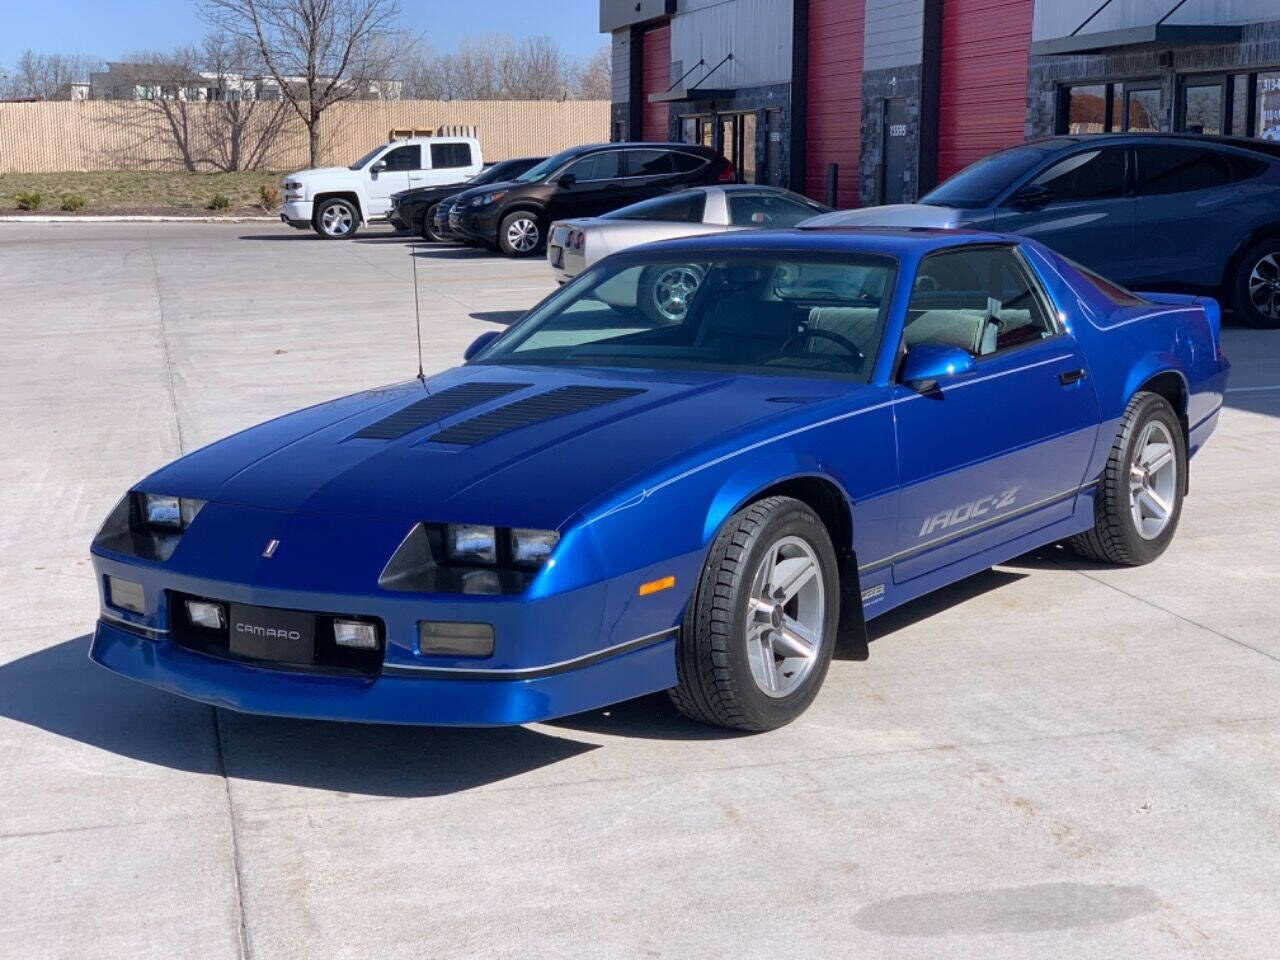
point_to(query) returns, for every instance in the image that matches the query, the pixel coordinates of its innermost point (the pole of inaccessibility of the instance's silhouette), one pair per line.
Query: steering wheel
(835, 338)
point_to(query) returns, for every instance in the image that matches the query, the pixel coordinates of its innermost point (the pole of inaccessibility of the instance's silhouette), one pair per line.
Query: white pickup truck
(337, 201)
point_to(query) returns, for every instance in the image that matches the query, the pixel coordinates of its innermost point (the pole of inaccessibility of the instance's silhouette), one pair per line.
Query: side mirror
(567, 179)
(378, 167)
(929, 362)
(479, 343)
(1032, 197)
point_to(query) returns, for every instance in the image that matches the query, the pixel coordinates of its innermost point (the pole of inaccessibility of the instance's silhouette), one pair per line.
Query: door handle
(1068, 377)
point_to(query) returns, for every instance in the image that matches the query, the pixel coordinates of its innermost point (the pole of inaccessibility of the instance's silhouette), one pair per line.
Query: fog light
(204, 614)
(455, 639)
(354, 633)
(126, 595)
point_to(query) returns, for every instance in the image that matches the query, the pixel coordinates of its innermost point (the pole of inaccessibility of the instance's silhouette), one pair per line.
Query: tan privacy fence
(52, 136)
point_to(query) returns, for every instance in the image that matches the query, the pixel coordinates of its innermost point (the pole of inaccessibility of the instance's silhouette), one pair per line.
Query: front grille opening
(326, 658)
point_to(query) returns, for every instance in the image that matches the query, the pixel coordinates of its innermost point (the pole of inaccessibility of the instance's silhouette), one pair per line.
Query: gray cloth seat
(968, 329)
(859, 325)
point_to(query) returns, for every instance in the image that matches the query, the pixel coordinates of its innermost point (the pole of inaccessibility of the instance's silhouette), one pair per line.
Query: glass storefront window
(1143, 107)
(1087, 109)
(1268, 110)
(1202, 107)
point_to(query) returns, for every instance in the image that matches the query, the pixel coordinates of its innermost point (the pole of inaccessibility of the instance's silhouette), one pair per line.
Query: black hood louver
(559, 402)
(437, 406)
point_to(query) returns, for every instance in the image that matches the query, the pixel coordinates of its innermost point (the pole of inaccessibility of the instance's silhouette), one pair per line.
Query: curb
(90, 218)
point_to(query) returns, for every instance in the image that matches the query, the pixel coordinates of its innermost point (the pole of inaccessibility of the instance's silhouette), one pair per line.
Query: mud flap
(851, 635)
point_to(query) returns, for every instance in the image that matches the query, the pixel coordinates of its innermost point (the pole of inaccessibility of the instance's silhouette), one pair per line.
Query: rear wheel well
(340, 195)
(1172, 387)
(826, 500)
(1270, 231)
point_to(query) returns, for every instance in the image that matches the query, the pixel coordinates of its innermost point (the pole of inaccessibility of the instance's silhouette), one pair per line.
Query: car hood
(540, 474)
(896, 215)
(320, 172)
(470, 192)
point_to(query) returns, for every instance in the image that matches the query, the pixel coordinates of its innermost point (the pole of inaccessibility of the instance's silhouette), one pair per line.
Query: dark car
(416, 209)
(580, 182)
(1150, 211)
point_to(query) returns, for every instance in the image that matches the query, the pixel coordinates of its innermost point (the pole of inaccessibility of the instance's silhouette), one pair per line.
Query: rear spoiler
(1212, 310)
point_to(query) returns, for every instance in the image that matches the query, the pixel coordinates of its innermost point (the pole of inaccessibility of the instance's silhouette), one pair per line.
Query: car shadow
(432, 252)
(503, 317)
(60, 690)
(292, 235)
(930, 604)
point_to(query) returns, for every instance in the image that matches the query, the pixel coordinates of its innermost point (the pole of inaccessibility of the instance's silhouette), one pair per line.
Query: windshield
(540, 170)
(978, 184)
(501, 170)
(363, 161)
(739, 311)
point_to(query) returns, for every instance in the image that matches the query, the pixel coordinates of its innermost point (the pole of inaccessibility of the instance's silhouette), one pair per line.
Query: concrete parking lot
(1051, 759)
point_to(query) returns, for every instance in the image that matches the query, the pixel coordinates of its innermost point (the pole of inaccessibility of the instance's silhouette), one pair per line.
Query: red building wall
(834, 94)
(656, 78)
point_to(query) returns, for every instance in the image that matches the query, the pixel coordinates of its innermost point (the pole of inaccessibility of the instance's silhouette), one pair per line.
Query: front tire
(1257, 285)
(1139, 501)
(520, 234)
(760, 630)
(336, 219)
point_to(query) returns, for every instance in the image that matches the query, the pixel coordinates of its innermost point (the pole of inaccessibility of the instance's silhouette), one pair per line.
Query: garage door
(656, 64)
(834, 89)
(983, 101)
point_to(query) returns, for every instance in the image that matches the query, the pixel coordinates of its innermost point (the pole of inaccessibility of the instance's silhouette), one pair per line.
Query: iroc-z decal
(970, 511)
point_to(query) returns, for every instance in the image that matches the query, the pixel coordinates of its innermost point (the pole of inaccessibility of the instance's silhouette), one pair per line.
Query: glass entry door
(1203, 105)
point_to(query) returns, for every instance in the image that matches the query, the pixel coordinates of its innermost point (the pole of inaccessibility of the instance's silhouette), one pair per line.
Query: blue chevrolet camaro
(696, 467)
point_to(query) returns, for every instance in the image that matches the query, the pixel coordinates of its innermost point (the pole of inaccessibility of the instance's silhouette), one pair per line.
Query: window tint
(445, 155)
(768, 210)
(649, 163)
(687, 162)
(1112, 291)
(597, 166)
(404, 158)
(678, 208)
(980, 300)
(1179, 169)
(1091, 175)
(982, 181)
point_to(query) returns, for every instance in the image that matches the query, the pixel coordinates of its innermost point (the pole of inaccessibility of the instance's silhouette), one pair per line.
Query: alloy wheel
(337, 220)
(786, 612)
(674, 288)
(523, 234)
(1264, 286)
(1153, 480)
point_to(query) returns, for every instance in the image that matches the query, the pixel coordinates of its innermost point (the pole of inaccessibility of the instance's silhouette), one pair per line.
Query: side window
(1176, 169)
(684, 207)
(980, 299)
(598, 166)
(1091, 175)
(767, 210)
(649, 163)
(404, 158)
(450, 155)
(686, 162)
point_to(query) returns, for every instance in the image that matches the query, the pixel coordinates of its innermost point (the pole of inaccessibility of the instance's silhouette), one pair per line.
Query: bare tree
(534, 69)
(319, 52)
(593, 78)
(239, 128)
(43, 75)
(161, 121)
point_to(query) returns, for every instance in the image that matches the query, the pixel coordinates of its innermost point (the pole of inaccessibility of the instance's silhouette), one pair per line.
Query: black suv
(580, 182)
(416, 209)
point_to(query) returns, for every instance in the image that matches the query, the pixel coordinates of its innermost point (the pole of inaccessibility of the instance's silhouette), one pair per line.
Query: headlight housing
(487, 198)
(164, 512)
(471, 543)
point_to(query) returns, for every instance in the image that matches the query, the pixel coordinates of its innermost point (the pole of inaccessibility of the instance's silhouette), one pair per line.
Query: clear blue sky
(108, 28)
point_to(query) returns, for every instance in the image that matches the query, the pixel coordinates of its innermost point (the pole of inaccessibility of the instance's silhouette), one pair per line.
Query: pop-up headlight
(471, 543)
(166, 512)
(532, 547)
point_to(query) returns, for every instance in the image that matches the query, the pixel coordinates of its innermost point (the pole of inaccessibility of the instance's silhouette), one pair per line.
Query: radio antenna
(417, 310)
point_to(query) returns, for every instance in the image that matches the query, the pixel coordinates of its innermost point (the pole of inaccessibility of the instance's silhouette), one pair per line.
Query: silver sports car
(573, 245)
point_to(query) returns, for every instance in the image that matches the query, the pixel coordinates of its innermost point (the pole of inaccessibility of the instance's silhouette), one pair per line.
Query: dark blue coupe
(696, 467)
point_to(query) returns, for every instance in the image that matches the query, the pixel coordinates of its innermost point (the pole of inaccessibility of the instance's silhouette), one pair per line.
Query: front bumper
(390, 697)
(475, 226)
(297, 213)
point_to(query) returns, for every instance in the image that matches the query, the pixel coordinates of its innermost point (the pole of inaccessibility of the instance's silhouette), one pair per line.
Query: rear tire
(752, 652)
(1139, 501)
(428, 231)
(521, 234)
(1257, 285)
(336, 219)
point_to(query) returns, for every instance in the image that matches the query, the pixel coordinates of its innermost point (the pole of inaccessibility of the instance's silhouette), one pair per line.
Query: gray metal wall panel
(894, 34)
(1058, 18)
(624, 13)
(756, 32)
(621, 66)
